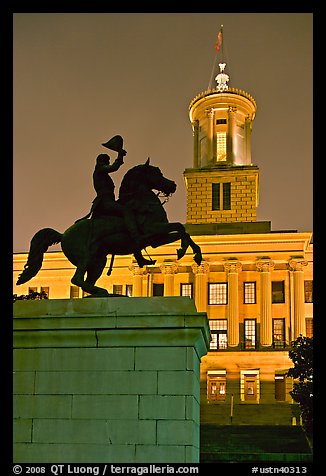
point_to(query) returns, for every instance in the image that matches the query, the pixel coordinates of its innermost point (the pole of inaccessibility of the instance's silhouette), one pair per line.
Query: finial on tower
(222, 78)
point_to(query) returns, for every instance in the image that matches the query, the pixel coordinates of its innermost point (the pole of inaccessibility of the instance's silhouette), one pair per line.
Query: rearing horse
(87, 243)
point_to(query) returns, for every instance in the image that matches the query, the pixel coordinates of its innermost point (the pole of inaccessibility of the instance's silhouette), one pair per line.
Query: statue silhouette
(87, 242)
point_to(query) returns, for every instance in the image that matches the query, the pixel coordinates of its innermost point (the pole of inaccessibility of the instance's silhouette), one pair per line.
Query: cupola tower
(222, 185)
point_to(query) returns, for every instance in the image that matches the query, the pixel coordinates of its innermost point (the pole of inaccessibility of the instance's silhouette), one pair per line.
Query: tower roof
(211, 93)
(226, 96)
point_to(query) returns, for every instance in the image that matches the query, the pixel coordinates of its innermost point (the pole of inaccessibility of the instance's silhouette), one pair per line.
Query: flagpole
(213, 69)
(218, 43)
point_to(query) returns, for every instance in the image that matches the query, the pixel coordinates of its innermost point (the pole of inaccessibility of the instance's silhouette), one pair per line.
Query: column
(210, 135)
(247, 141)
(296, 265)
(232, 268)
(169, 270)
(230, 136)
(137, 279)
(201, 280)
(195, 128)
(265, 266)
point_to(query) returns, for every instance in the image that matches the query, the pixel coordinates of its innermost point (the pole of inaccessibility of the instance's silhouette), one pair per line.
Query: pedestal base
(108, 380)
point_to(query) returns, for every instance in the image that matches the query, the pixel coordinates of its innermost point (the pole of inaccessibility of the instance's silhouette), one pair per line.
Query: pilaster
(201, 280)
(137, 279)
(169, 269)
(265, 266)
(296, 265)
(232, 268)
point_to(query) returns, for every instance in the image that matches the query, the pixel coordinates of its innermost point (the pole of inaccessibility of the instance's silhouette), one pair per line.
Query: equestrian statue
(114, 227)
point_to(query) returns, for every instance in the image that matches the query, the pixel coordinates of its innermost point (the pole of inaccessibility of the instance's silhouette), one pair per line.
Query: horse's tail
(39, 245)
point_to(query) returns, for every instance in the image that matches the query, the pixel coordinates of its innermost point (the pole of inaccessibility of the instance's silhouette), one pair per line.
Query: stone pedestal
(108, 380)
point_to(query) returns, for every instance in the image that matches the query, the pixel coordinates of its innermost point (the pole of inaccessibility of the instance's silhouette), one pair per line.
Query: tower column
(248, 140)
(265, 266)
(296, 265)
(195, 128)
(137, 279)
(201, 280)
(210, 135)
(231, 133)
(232, 267)
(169, 270)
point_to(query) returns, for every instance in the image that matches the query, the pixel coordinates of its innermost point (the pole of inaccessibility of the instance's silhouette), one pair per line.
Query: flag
(218, 41)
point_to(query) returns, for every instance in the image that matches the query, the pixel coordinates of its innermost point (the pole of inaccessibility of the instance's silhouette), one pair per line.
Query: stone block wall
(108, 380)
(244, 194)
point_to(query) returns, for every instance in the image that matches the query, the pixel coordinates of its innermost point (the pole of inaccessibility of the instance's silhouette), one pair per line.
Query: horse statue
(87, 242)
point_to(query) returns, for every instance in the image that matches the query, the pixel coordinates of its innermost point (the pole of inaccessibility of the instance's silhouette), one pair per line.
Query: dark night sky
(80, 78)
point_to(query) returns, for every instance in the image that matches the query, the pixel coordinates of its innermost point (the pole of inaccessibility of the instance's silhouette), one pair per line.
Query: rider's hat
(116, 143)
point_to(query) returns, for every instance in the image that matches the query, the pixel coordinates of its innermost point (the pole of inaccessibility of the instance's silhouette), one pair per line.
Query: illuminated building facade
(255, 284)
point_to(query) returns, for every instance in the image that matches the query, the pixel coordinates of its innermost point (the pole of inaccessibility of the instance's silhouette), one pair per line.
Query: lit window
(219, 338)
(129, 290)
(278, 333)
(216, 385)
(74, 292)
(221, 146)
(117, 289)
(279, 386)
(45, 290)
(249, 293)
(250, 333)
(217, 293)
(186, 289)
(309, 327)
(308, 289)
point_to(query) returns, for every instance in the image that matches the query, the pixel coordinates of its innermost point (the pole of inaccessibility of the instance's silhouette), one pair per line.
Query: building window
(217, 293)
(280, 387)
(218, 329)
(221, 196)
(278, 333)
(221, 145)
(249, 293)
(227, 196)
(216, 196)
(221, 121)
(158, 289)
(44, 291)
(216, 385)
(117, 289)
(250, 333)
(129, 290)
(278, 292)
(308, 288)
(309, 327)
(249, 385)
(186, 289)
(74, 292)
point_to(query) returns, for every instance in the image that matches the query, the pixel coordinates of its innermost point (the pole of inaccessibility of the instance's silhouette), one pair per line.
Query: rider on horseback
(105, 204)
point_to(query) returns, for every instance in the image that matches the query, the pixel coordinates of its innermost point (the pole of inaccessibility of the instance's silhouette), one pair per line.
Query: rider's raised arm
(116, 164)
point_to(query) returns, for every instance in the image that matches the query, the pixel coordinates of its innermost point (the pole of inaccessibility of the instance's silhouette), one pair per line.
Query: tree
(301, 355)
(31, 295)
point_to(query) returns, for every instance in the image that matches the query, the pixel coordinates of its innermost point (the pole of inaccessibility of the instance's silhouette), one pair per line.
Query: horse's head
(156, 180)
(145, 177)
